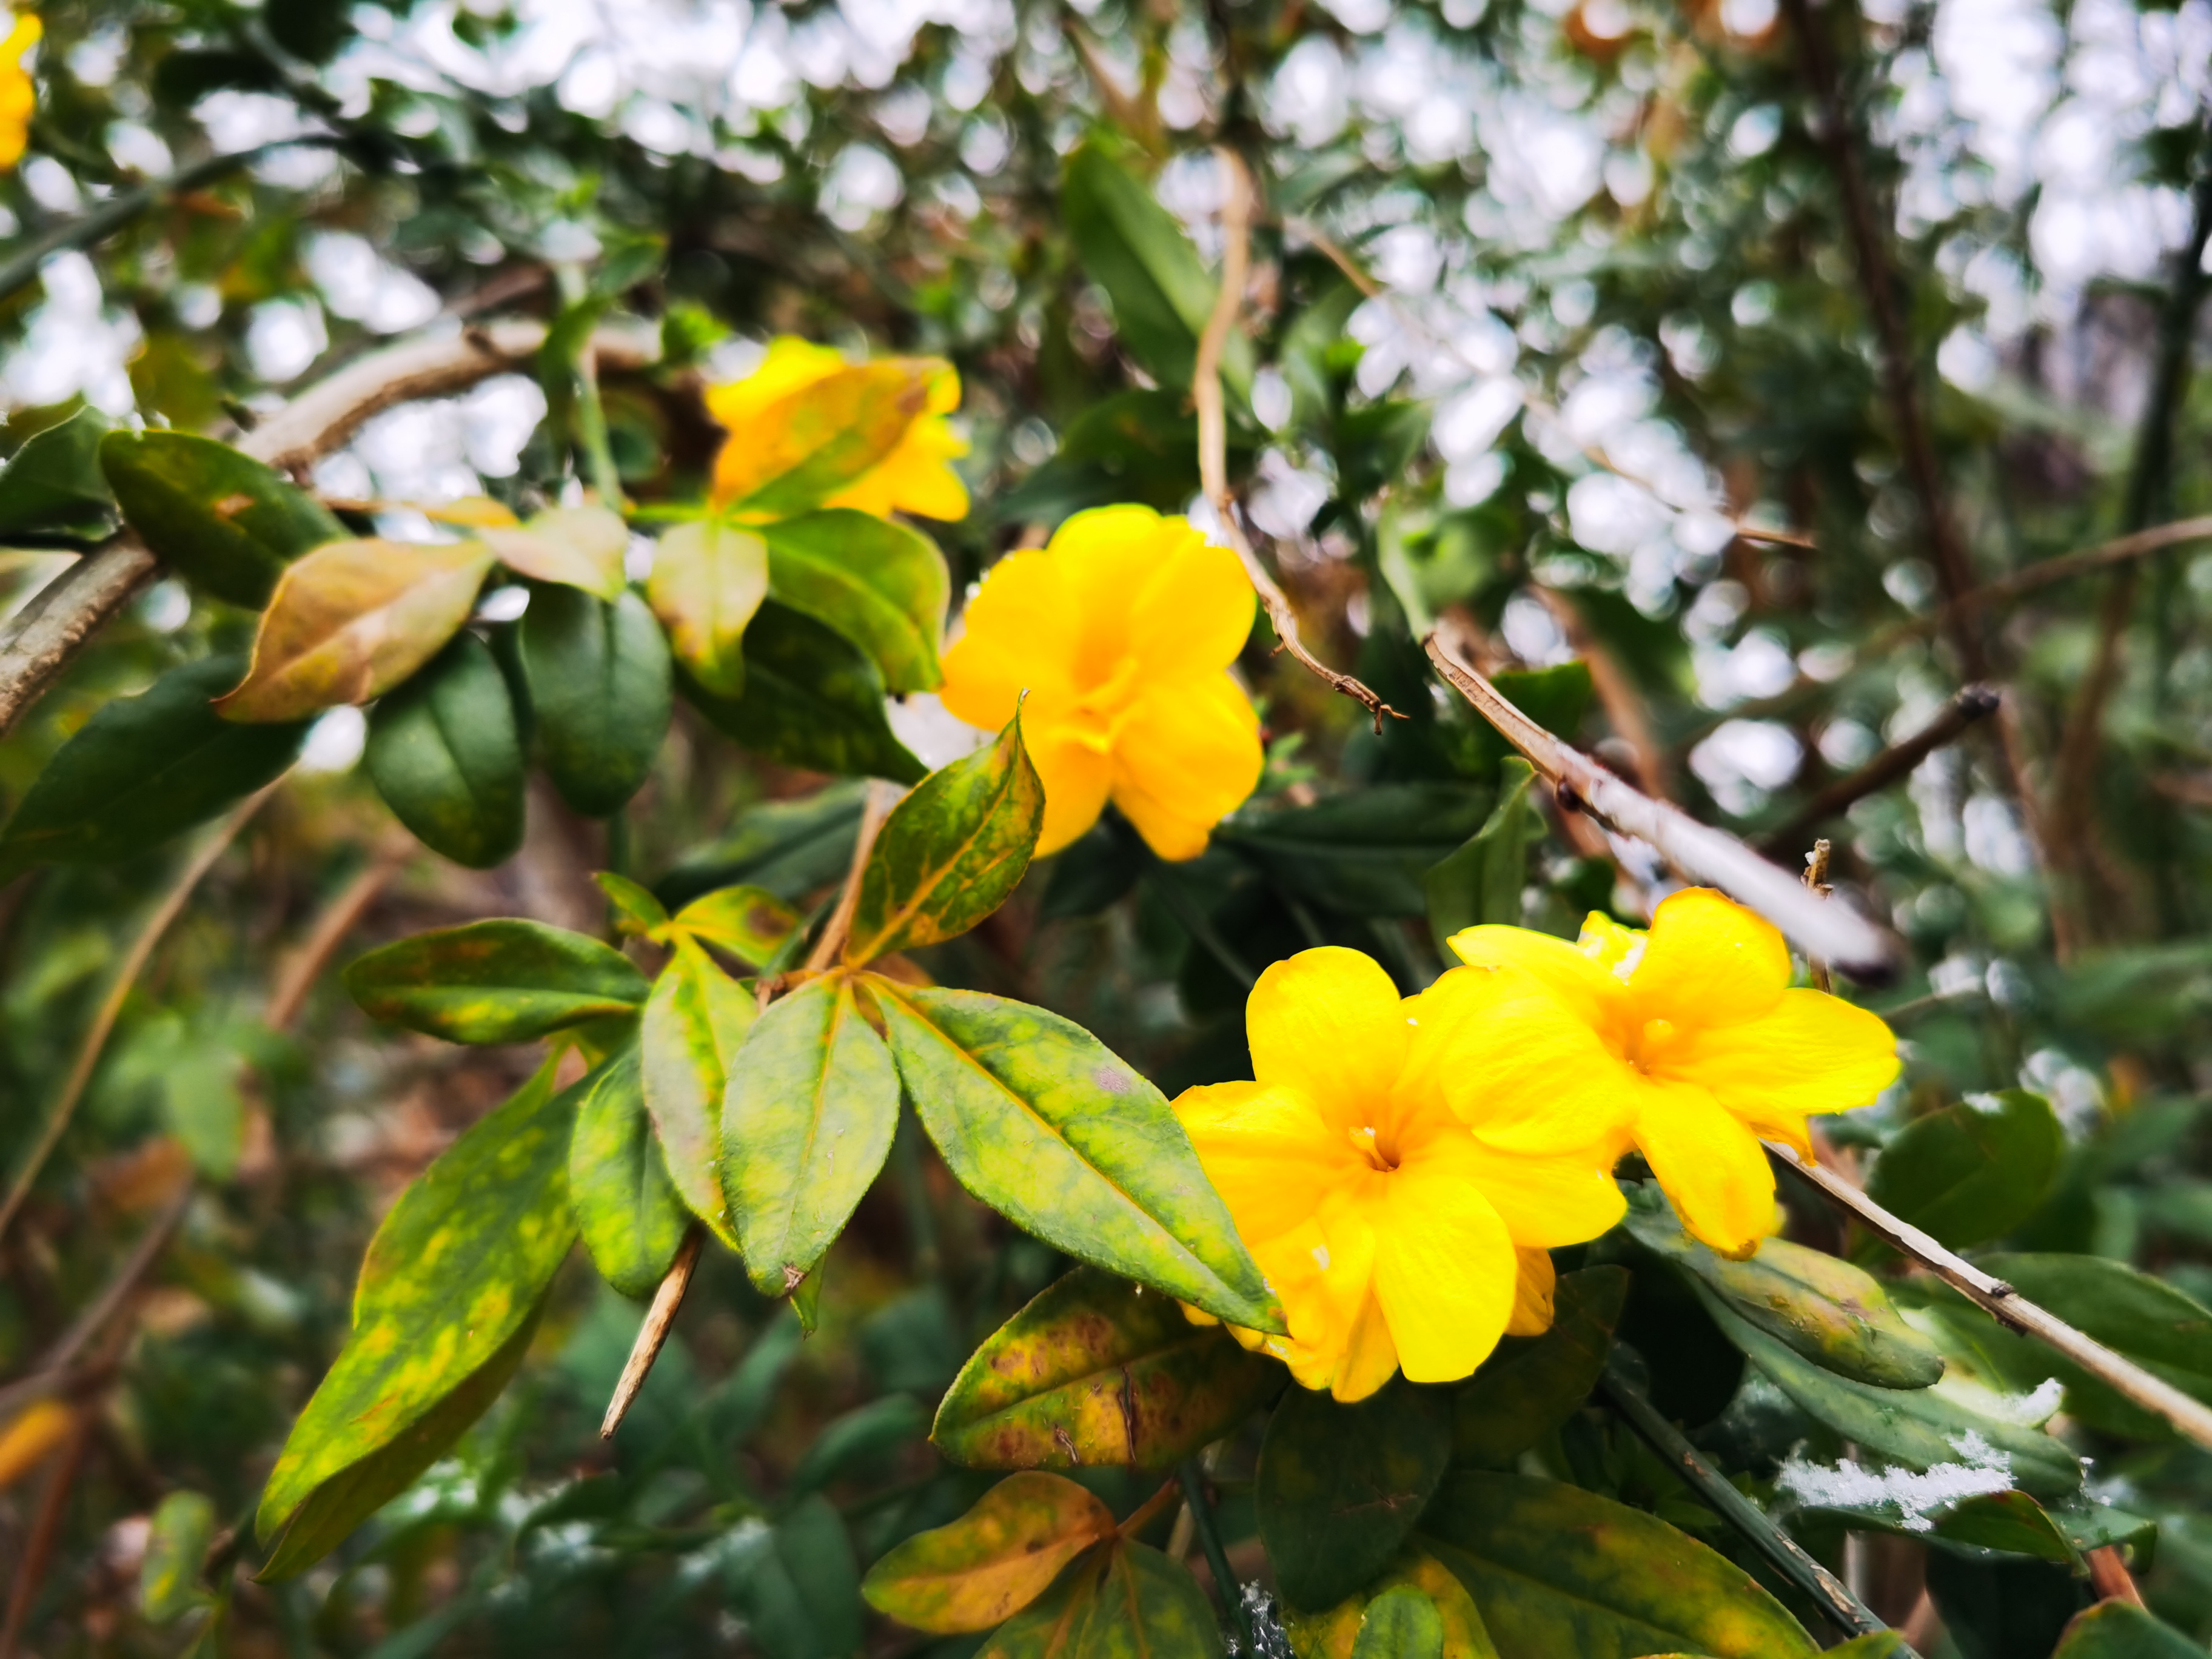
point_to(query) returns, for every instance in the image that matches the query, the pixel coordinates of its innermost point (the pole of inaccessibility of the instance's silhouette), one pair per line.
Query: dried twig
(1974, 703)
(1213, 430)
(2008, 1306)
(126, 976)
(1819, 927)
(37, 645)
(666, 1300)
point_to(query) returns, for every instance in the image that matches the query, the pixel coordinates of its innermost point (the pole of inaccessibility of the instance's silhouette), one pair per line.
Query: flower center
(1648, 1046)
(1369, 1146)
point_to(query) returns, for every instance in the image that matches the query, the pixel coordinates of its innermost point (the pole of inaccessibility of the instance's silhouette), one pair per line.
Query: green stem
(1209, 1540)
(1828, 1593)
(591, 414)
(1195, 922)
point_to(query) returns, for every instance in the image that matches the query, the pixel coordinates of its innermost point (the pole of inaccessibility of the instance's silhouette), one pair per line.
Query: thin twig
(2008, 1306)
(41, 639)
(1225, 1587)
(658, 1318)
(111, 1008)
(1825, 1591)
(1213, 434)
(2109, 1575)
(1821, 927)
(45, 1531)
(1616, 694)
(1974, 703)
(1816, 881)
(654, 1332)
(300, 969)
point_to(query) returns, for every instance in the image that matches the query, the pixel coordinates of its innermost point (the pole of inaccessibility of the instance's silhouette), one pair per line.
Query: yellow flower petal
(1370, 1356)
(1108, 554)
(1813, 1053)
(1532, 1294)
(1021, 629)
(915, 478)
(1076, 774)
(1709, 961)
(1591, 992)
(1712, 1166)
(1514, 1063)
(792, 364)
(1329, 1023)
(1194, 613)
(1548, 1202)
(1186, 754)
(1268, 1151)
(1444, 1266)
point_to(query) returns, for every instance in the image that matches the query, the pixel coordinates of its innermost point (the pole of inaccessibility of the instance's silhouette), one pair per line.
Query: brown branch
(46, 1533)
(2109, 1575)
(1616, 694)
(297, 975)
(111, 1008)
(669, 1297)
(1975, 702)
(1821, 927)
(2008, 1306)
(36, 645)
(1213, 439)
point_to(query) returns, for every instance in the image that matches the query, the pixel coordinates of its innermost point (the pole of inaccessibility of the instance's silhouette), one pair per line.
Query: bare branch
(1821, 927)
(42, 640)
(2007, 1305)
(651, 1335)
(1974, 703)
(1213, 435)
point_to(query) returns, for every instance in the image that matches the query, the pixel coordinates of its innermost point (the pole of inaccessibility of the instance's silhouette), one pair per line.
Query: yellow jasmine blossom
(916, 476)
(1120, 630)
(1396, 1239)
(18, 96)
(1690, 1041)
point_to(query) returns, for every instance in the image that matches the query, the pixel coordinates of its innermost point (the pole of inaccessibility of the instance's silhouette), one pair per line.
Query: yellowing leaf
(1337, 1633)
(577, 546)
(747, 922)
(993, 1561)
(707, 581)
(34, 1432)
(797, 453)
(353, 619)
(474, 513)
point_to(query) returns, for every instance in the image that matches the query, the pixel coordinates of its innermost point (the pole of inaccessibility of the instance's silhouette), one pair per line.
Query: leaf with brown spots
(501, 981)
(993, 1561)
(1098, 1372)
(353, 619)
(453, 1279)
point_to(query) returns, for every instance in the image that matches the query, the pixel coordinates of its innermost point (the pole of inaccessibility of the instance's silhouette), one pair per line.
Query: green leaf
(1532, 1385)
(1095, 1372)
(696, 1021)
(748, 923)
(810, 443)
(799, 1586)
(1137, 446)
(1974, 1171)
(1367, 853)
(1342, 1631)
(707, 581)
(949, 853)
(501, 981)
(1557, 1571)
(599, 684)
(882, 585)
(1042, 1121)
(812, 699)
(444, 751)
(1556, 698)
(1125, 1601)
(1833, 1314)
(626, 1206)
(2120, 1630)
(786, 848)
(1483, 881)
(353, 619)
(169, 1579)
(1401, 1624)
(223, 521)
(144, 769)
(1340, 1486)
(448, 1296)
(993, 1561)
(2160, 1328)
(635, 911)
(2006, 1522)
(806, 1123)
(1919, 1428)
(53, 489)
(1882, 1645)
(1134, 249)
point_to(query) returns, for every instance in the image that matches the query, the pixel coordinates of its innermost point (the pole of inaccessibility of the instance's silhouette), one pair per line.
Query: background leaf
(582, 547)
(1335, 1634)
(1532, 1385)
(1095, 1372)
(949, 853)
(808, 445)
(707, 581)
(993, 1561)
(53, 489)
(504, 980)
(223, 521)
(600, 683)
(1482, 881)
(445, 751)
(881, 585)
(695, 1024)
(2149, 1321)
(626, 1206)
(748, 923)
(1974, 1171)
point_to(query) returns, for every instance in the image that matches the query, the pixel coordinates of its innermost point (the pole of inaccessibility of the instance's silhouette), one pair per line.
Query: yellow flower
(18, 96)
(1689, 1040)
(1395, 1238)
(916, 476)
(1121, 631)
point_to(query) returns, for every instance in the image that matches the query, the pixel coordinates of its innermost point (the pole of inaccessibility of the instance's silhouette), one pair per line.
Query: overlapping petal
(1546, 1202)
(1533, 1293)
(1021, 635)
(1195, 612)
(1268, 1151)
(1712, 1166)
(1444, 1267)
(1709, 961)
(1186, 754)
(1810, 1053)
(1514, 1063)
(1329, 1023)
(1583, 983)
(1077, 772)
